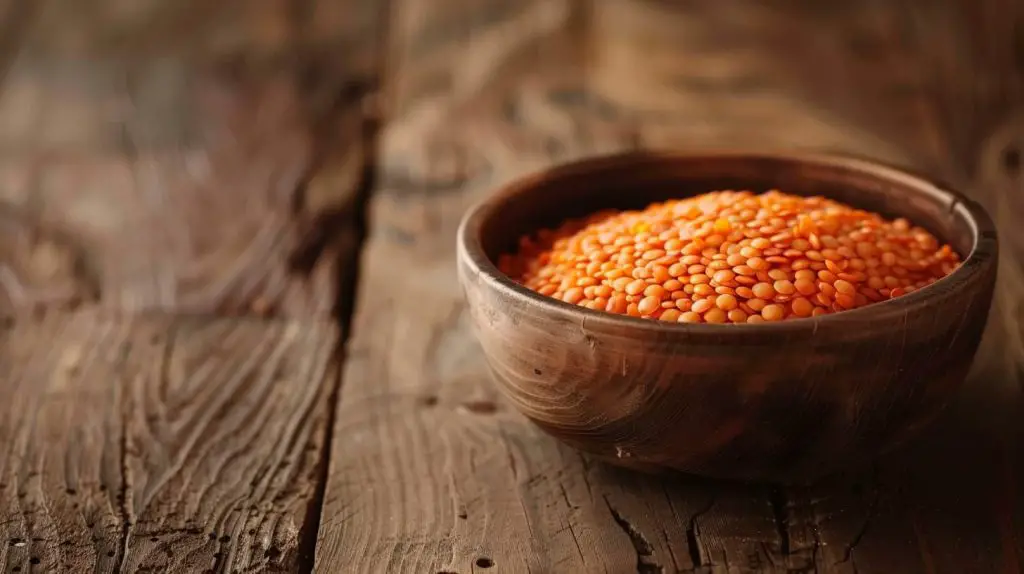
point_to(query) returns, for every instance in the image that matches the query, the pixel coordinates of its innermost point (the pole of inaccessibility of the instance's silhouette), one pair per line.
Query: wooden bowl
(781, 402)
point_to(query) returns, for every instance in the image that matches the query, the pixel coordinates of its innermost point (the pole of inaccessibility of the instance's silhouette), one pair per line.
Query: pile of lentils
(730, 257)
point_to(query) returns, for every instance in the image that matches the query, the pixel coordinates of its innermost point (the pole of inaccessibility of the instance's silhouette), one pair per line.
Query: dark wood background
(232, 338)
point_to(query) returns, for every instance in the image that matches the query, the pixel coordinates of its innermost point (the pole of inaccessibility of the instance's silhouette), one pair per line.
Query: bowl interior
(634, 181)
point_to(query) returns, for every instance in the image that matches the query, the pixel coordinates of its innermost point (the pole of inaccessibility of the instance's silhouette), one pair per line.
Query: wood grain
(225, 424)
(431, 471)
(193, 158)
(161, 444)
(180, 156)
(61, 470)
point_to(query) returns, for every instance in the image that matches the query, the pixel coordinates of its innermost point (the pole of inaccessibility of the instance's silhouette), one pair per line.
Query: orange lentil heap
(730, 257)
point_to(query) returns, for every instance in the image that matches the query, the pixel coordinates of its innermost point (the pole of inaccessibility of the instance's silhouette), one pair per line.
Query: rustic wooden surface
(161, 443)
(183, 194)
(168, 155)
(431, 471)
(179, 191)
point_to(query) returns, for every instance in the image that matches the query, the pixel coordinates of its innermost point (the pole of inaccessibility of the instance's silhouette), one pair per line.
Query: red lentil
(730, 257)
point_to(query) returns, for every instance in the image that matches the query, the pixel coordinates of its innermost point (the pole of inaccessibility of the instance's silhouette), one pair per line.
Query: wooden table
(232, 338)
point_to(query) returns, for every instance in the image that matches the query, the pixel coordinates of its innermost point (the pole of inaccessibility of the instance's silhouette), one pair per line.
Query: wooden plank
(225, 427)
(429, 468)
(955, 490)
(759, 74)
(161, 444)
(948, 502)
(61, 473)
(202, 159)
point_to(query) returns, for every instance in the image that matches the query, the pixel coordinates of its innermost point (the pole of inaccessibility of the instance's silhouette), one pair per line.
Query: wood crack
(343, 314)
(780, 502)
(356, 217)
(698, 555)
(646, 562)
(870, 513)
(124, 493)
(322, 231)
(665, 533)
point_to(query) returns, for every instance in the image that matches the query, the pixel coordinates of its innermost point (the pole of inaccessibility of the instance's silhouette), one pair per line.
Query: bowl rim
(983, 253)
